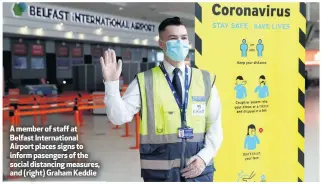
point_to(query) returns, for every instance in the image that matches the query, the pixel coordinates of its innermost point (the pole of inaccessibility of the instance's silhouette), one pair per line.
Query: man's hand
(110, 68)
(195, 166)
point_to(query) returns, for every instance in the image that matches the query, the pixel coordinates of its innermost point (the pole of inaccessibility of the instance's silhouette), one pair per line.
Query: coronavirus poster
(256, 51)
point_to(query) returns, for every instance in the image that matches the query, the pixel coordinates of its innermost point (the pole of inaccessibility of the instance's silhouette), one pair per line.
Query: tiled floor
(103, 143)
(122, 164)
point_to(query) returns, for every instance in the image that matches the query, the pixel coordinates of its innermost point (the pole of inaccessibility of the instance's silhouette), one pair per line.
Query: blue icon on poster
(259, 48)
(244, 48)
(262, 89)
(251, 139)
(240, 88)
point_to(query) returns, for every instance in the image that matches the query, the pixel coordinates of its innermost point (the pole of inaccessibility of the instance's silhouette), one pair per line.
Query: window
(137, 54)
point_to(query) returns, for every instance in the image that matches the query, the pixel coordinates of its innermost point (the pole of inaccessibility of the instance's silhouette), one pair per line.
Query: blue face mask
(177, 50)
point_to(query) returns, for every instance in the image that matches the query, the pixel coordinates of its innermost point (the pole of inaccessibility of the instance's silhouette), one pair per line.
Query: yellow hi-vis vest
(160, 147)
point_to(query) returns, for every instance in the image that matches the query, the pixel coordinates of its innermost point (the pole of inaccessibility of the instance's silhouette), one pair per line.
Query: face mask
(177, 50)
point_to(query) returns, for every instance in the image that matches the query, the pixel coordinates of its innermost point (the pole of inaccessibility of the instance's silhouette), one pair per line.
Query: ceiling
(157, 11)
(139, 10)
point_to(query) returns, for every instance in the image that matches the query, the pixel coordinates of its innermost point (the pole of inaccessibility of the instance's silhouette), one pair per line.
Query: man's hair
(174, 21)
(262, 77)
(239, 78)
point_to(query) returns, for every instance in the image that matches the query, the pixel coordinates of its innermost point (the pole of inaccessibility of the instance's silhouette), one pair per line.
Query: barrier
(116, 127)
(6, 108)
(40, 112)
(15, 114)
(36, 100)
(18, 106)
(126, 131)
(26, 106)
(6, 111)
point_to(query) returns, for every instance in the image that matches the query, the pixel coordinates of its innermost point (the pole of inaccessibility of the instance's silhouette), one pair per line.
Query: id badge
(185, 133)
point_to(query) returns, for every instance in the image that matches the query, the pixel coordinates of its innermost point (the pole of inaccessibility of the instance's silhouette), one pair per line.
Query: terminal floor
(122, 164)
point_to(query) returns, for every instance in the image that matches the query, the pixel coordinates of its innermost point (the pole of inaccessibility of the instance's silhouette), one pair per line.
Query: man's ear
(161, 44)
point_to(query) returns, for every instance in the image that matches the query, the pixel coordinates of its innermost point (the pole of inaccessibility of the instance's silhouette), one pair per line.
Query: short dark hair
(239, 78)
(262, 77)
(174, 21)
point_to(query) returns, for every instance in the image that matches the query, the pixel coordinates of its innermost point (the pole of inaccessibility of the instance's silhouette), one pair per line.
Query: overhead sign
(96, 52)
(127, 54)
(82, 18)
(19, 49)
(37, 50)
(62, 51)
(256, 51)
(76, 52)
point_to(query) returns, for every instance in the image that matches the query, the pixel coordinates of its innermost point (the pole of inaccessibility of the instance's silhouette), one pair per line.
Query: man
(180, 129)
(259, 48)
(244, 48)
(262, 89)
(240, 88)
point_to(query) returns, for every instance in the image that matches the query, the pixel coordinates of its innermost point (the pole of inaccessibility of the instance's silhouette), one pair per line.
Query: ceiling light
(116, 39)
(59, 26)
(81, 36)
(145, 42)
(24, 30)
(119, 4)
(106, 39)
(99, 31)
(156, 38)
(39, 31)
(136, 41)
(69, 34)
(120, 8)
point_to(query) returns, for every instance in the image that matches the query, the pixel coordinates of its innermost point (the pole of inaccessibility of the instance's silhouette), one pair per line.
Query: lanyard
(182, 106)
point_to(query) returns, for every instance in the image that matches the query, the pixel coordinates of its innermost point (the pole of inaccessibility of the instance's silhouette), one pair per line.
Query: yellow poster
(256, 51)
